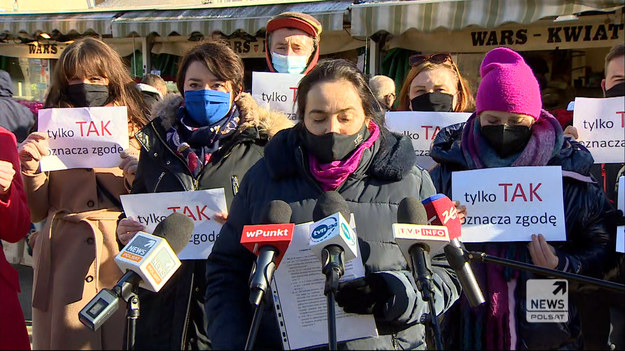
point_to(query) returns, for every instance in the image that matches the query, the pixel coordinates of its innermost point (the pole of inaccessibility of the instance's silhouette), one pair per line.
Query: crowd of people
(214, 135)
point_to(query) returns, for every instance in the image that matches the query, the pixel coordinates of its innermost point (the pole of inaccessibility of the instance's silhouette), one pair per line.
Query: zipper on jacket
(235, 184)
(158, 181)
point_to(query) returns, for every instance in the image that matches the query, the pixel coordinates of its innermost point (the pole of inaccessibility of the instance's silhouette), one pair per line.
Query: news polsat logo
(327, 227)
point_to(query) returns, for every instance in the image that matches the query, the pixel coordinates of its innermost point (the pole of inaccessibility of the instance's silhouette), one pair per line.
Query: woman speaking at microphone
(510, 129)
(339, 144)
(206, 139)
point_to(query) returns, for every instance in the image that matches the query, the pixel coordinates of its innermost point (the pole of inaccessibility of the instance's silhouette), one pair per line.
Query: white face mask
(289, 64)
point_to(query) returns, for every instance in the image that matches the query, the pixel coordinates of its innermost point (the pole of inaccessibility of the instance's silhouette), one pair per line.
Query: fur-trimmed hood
(267, 122)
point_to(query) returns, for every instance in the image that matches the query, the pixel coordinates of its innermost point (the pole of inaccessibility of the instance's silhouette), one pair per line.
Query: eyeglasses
(416, 60)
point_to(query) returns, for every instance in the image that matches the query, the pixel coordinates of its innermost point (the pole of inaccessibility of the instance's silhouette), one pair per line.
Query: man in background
(15, 117)
(292, 42)
(153, 88)
(383, 89)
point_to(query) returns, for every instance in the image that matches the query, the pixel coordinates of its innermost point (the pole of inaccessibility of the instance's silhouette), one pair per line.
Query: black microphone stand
(128, 289)
(259, 285)
(333, 257)
(483, 257)
(422, 273)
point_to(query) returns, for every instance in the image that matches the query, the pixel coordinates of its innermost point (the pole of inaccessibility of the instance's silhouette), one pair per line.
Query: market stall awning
(226, 20)
(99, 22)
(428, 15)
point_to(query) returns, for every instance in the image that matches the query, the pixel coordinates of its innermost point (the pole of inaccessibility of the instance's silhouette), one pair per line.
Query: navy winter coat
(385, 176)
(585, 251)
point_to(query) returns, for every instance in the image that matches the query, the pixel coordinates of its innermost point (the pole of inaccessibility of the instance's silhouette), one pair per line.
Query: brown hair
(220, 59)
(155, 81)
(87, 57)
(336, 69)
(616, 51)
(465, 102)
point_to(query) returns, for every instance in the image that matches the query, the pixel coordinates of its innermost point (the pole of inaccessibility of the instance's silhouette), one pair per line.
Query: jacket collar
(393, 157)
(252, 116)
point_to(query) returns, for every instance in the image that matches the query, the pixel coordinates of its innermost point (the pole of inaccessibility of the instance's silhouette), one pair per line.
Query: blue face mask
(206, 107)
(289, 64)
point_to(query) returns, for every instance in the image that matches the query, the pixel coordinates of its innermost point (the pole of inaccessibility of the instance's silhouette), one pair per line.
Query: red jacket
(14, 225)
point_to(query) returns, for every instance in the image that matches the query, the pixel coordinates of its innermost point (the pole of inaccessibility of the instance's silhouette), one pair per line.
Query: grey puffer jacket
(174, 317)
(385, 176)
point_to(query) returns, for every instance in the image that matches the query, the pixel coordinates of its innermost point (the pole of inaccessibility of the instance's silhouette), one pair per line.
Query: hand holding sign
(127, 228)
(6, 176)
(543, 254)
(32, 150)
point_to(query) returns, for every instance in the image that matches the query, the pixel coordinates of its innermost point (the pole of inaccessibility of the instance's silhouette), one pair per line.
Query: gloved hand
(364, 295)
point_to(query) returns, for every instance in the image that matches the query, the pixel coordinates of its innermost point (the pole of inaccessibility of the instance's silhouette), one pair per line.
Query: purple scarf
(332, 175)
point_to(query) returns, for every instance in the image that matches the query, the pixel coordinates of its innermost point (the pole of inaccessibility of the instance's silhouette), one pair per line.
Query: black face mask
(437, 102)
(332, 146)
(617, 90)
(506, 140)
(88, 95)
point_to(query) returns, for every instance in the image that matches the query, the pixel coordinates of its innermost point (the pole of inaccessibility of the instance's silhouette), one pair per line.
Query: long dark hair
(88, 57)
(337, 69)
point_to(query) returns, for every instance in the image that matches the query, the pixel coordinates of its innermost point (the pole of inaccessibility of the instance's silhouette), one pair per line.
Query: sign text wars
(556, 34)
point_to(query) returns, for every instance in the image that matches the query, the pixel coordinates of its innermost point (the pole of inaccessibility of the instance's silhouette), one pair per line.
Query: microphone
(332, 238)
(149, 261)
(269, 241)
(442, 211)
(418, 241)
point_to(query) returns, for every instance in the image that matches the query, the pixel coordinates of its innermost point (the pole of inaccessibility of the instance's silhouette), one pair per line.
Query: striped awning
(99, 22)
(428, 15)
(249, 19)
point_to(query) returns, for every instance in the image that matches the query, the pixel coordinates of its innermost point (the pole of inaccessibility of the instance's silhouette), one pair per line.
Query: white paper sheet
(276, 91)
(421, 128)
(201, 206)
(85, 137)
(511, 203)
(599, 123)
(300, 303)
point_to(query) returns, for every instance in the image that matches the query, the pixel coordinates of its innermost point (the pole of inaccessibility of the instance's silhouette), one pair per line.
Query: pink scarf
(332, 175)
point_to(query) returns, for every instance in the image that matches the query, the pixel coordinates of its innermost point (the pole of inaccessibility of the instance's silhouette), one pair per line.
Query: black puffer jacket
(384, 177)
(585, 251)
(173, 318)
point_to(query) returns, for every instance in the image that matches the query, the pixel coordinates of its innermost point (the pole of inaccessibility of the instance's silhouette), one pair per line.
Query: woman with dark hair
(206, 139)
(435, 84)
(73, 254)
(339, 144)
(510, 129)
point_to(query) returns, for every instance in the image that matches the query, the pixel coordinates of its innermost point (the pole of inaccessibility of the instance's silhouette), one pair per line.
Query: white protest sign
(84, 137)
(422, 127)
(276, 91)
(620, 230)
(201, 206)
(511, 203)
(600, 125)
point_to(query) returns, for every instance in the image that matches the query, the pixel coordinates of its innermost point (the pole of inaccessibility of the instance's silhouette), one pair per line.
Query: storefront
(168, 34)
(564, 42)
(31, 44)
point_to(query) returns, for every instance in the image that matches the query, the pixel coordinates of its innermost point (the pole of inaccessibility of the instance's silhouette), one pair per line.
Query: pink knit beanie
(508, 84)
